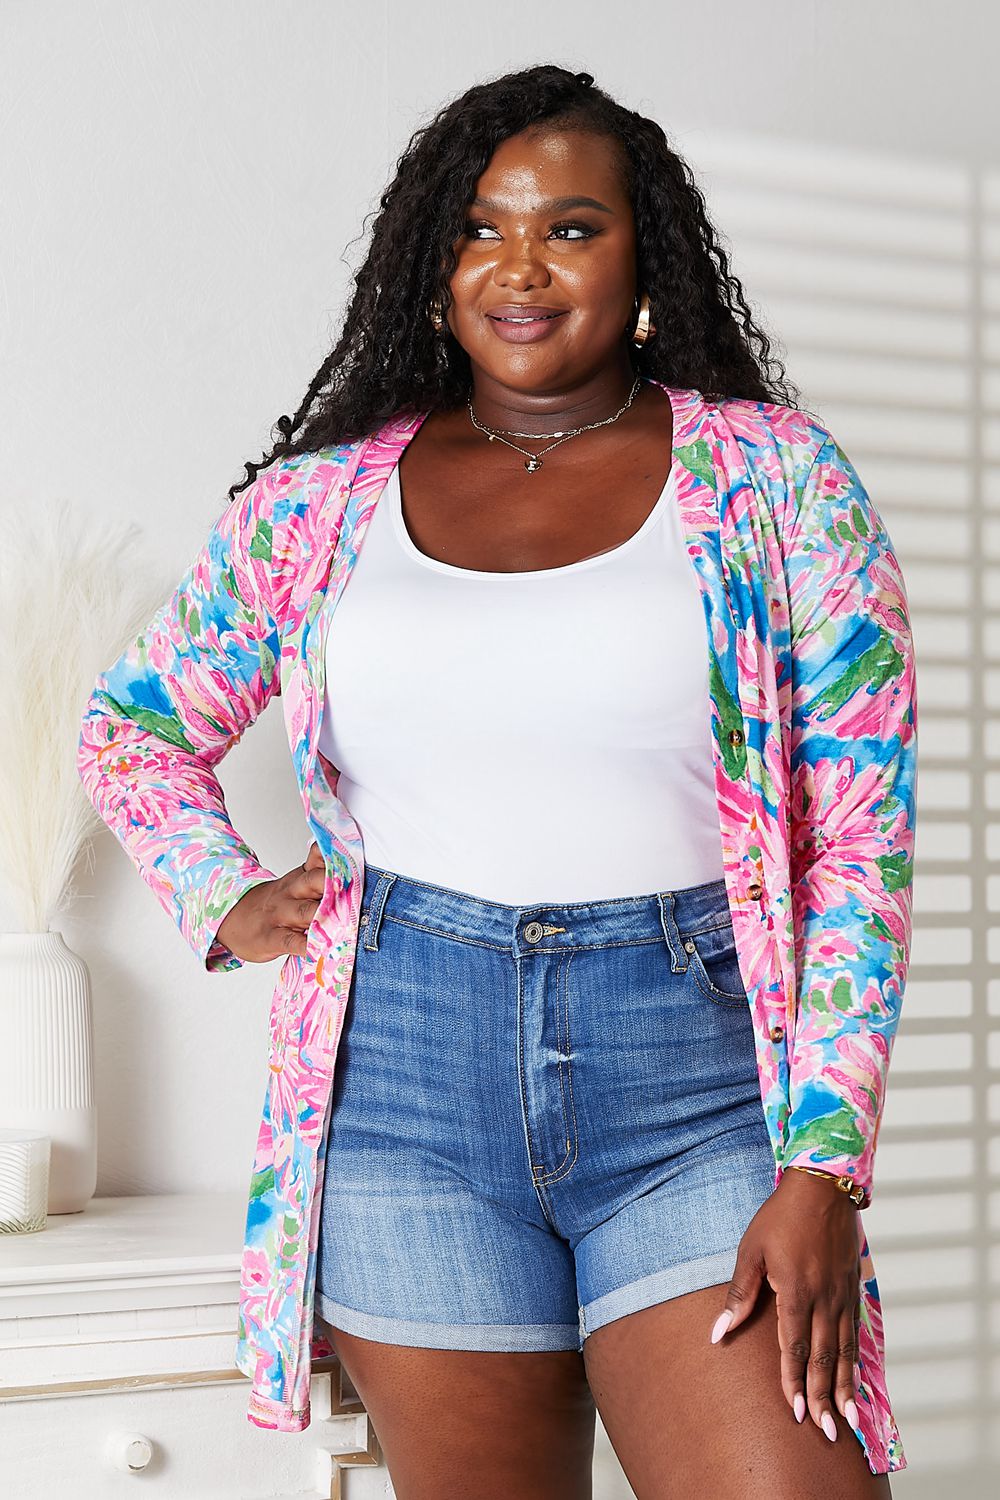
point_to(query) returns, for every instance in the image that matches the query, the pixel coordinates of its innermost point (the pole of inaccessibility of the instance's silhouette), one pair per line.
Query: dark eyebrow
(549, 205)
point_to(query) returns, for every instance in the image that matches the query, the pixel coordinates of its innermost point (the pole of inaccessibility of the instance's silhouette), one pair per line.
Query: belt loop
(376, 908)
(671, 932)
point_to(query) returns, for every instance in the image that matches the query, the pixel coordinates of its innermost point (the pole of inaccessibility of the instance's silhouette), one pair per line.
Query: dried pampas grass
(73, 594)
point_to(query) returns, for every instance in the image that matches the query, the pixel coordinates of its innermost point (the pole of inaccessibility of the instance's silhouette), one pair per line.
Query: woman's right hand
(271, 919)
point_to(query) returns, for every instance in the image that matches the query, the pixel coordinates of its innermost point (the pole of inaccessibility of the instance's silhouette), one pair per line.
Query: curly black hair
(387, 361)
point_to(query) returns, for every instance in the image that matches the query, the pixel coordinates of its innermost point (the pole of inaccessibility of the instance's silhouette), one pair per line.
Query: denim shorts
(543, 1117)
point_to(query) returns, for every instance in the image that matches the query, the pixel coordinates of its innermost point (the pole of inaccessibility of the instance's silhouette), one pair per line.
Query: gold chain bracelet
(854, 1191)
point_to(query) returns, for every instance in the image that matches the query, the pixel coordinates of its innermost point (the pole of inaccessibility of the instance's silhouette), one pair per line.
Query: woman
(609, 759)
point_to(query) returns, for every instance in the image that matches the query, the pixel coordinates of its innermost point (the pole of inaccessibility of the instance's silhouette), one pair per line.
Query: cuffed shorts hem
(499, 1337)
(692, 1276)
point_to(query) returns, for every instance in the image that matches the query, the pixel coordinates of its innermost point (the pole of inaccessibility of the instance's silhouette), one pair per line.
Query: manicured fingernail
(722, 1322)
(799, 1406)
(851, 1413)
(829, 1427)
(857, 1375)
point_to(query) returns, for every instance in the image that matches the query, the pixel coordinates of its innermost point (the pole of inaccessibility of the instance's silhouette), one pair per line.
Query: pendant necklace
(533, 461)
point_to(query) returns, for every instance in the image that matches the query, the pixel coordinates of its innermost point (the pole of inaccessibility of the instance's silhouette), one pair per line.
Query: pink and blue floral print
(813, 717)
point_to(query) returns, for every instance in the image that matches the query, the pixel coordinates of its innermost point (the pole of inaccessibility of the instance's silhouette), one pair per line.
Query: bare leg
(461, 1425)
(686, 1417)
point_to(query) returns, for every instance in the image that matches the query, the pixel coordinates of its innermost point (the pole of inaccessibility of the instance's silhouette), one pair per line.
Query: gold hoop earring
(436, 315)
(644, 329)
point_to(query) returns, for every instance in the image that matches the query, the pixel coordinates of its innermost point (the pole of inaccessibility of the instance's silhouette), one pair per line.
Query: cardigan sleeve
(161, 718)
(852, 816)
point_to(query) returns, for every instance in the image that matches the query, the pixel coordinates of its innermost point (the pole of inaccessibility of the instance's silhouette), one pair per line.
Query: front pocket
(714, 964)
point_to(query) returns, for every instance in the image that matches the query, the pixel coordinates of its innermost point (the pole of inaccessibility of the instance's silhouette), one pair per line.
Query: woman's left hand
(804, 1240)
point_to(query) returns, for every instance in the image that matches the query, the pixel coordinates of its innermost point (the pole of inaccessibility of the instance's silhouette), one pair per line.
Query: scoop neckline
(436, 565)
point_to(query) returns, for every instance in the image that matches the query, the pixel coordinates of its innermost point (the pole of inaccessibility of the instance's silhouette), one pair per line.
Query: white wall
(179, 184)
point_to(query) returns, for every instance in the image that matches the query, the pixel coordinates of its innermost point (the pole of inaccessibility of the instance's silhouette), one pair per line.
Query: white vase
(46, 1058)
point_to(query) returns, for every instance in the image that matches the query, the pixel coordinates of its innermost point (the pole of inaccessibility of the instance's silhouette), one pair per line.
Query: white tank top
(534, 737)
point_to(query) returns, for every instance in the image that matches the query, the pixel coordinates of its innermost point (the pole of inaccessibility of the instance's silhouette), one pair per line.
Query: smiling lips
(522, 323)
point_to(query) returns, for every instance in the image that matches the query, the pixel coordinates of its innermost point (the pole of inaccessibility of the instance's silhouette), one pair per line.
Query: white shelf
(130, 1290)
(122, 1320)
(169, 1233)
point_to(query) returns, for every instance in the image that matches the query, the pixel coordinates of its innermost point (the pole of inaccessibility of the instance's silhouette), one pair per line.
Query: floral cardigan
(813, 718)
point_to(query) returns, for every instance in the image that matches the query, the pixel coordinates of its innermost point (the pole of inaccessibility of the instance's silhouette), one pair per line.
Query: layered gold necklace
(533, 461)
